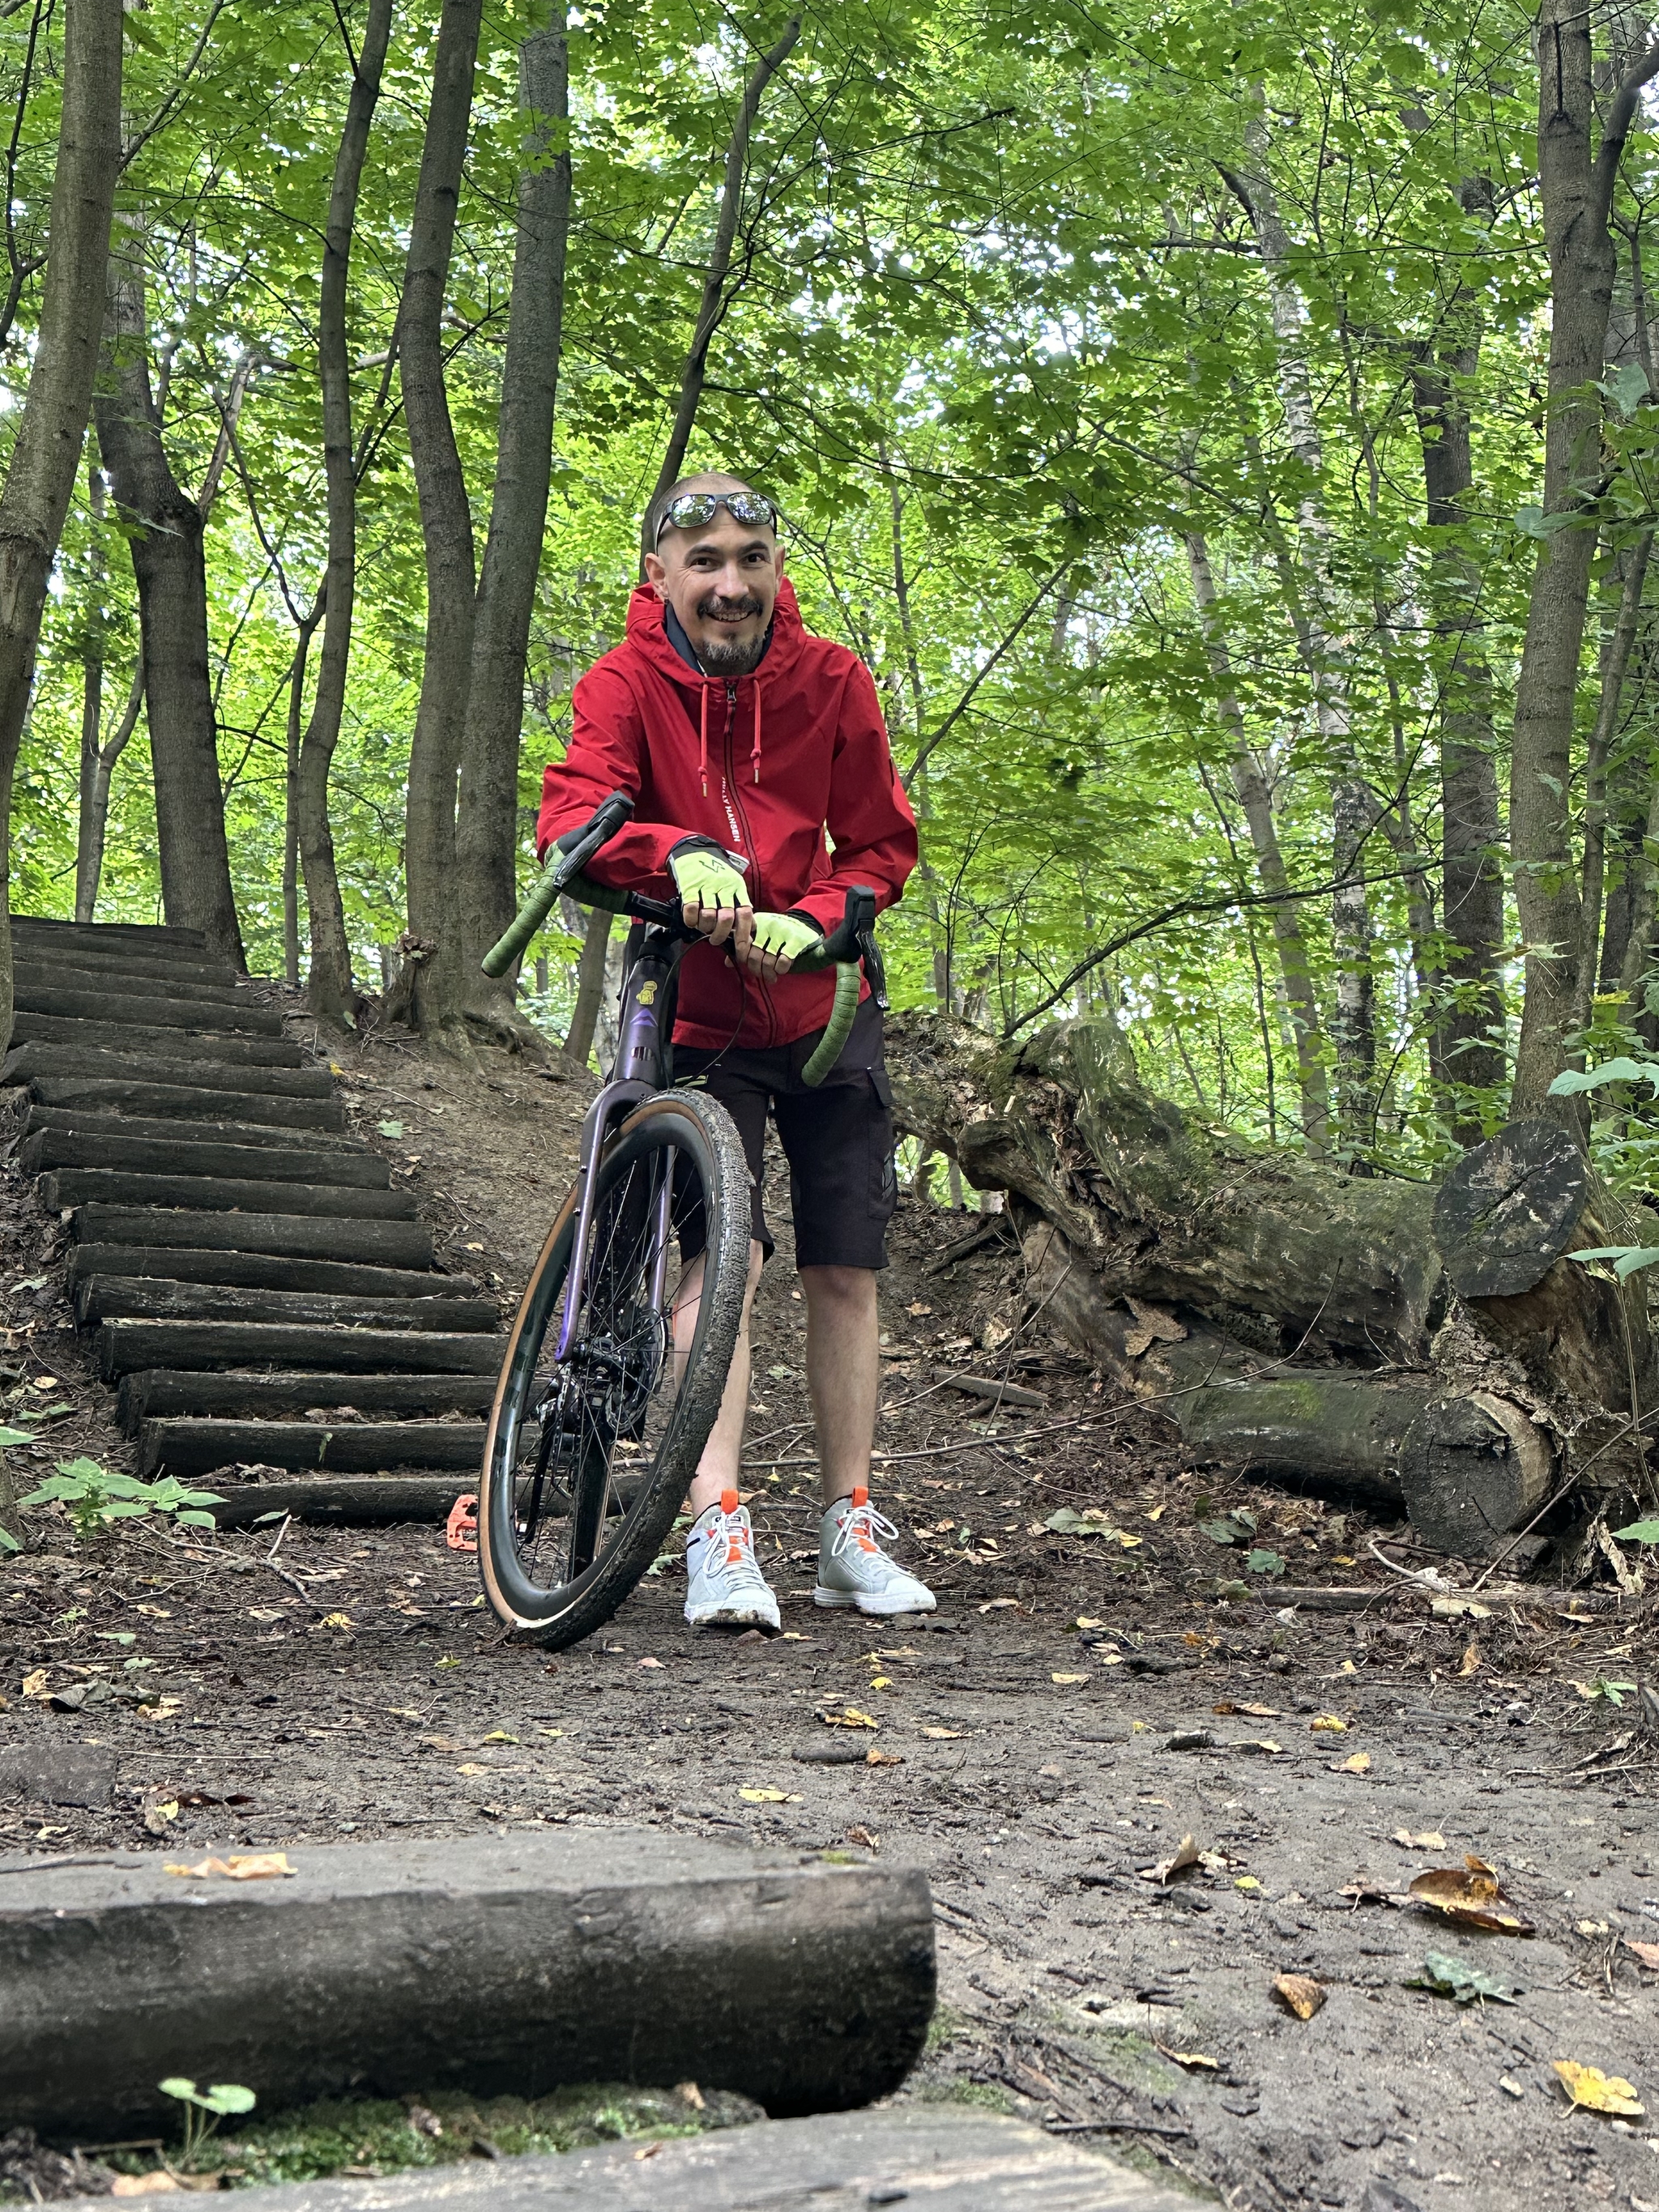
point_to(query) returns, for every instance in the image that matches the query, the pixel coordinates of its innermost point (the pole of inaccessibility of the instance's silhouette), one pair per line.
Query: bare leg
(717, 1469)
(843, 1365)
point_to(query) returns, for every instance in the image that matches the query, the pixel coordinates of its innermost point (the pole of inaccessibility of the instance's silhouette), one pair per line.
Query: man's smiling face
(722, 579)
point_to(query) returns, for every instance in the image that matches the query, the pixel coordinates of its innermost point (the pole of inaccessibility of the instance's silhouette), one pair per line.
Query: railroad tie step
(170, 1129)
(186, 1156)
(263, 1271)
(197, 1447)
(96, 1005)
(116, 965)
(157, 1394)
(297, 1236)
(115, 1298)
(138, 1039)
(125, 1346)
(180, 1101)
(37, 978)
(346, 1202)
(25, 1062)
(345, 1501)
(141, 936)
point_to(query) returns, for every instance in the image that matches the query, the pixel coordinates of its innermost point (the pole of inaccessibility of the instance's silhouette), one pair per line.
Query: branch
(961, 707)
(1614, 133)
(230, 408)
(129, 151)
(110, 753)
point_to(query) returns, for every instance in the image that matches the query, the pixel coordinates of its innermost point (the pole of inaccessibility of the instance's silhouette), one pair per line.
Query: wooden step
(156, 1013)
(201, 1073)
(160, 936)
(114, 1187)
(83, 1122)
(37, 976)
(116, 963)
(178, 1101)
(131, 1039)
(197, 1447)
(302, 1237)
(122, 1346)
(153, 1394)
(106, 1297)
(368, 1501)
(70, 1148)
(263, 1271)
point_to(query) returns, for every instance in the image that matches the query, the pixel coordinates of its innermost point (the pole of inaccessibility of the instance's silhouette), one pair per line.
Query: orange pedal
(463, 1530)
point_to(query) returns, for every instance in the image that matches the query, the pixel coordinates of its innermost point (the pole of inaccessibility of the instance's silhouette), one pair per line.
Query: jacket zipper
(754, 850)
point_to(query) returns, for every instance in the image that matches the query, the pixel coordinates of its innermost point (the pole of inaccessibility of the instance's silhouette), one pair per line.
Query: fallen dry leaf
(1598, 2092)
(1299, 1994)
(1459, 1608)
(943, 1734)
(471, 1766)
(1247, 1882)
(1185, 1855)
(1430, 1840)
(874, 1757)
(240, 1866)
(1360, 1763)
(1068, 1678)
(1328, 1725)
(768, 1797)
(1471, 1897)
(1647, 1953)
(155, 1612)
(1256, 1712)
(143, 2184)
(1194, 2061)
(991, 1604)
(499, 1735)
(1470, 1663)
(861, 1836)
(1083, 1621)
(1366, 1892)
(34, 1685)
(848, 1716)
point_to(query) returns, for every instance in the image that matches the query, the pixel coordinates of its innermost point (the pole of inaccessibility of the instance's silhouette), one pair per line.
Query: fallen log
(1368, 1334)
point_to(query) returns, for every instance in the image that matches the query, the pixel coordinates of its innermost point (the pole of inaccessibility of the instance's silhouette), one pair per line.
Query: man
(742, 741)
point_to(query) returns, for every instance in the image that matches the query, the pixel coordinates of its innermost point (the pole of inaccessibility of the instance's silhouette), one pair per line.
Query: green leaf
(390, 1128)
(1063, 1521)
(1220, 1532)
(179, 2085)
(1533, 522)
(1623, 1070)
(121, 1635)
(15, 1436)
(7, 1542)
(226, 2096)
(1627, 387)
(1265, 1563)
(1628, 1259)
(1639, 1532)
(1446, 1977)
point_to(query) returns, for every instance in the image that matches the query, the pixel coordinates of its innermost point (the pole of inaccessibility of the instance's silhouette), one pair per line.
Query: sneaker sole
(722, 1616)
(865, 1602)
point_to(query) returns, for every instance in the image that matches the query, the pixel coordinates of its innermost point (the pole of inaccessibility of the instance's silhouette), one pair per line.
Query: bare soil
(1081, 1703)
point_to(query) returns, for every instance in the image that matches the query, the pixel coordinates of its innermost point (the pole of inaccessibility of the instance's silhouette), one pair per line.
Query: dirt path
(353, 1685)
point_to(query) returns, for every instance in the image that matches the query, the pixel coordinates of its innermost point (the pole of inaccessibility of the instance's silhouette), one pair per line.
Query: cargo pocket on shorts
(883, 1174)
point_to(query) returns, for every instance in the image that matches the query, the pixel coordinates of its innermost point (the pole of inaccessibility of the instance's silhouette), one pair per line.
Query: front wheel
(589, 1458)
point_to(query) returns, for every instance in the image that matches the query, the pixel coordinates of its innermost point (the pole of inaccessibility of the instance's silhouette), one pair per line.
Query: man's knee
(851, 1287)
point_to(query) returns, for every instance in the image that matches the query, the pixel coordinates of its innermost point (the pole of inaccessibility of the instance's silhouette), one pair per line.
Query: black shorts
(837, 1139)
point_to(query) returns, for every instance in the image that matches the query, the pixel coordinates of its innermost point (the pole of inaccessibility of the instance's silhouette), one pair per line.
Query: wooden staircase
(261, 1293)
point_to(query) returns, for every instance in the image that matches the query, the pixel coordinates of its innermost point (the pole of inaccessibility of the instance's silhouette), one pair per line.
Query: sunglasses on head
(693, 508)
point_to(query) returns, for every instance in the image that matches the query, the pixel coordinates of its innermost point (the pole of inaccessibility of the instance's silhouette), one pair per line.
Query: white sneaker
(726, 1585)
(853, 1570)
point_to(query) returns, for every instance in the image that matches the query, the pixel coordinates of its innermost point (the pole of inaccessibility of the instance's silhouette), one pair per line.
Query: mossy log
(1295, 1320)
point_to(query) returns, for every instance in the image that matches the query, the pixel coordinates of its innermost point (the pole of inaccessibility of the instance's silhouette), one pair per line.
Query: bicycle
(600, 1416)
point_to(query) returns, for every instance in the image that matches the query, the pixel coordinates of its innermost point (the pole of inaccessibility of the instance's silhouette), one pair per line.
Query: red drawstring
(754, 754)
(702, 743)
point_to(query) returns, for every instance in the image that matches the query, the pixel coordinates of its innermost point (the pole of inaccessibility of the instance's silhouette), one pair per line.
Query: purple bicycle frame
(636, 1075)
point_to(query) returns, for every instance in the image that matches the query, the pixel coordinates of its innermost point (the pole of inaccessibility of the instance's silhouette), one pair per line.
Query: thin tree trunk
(1575, 188)
(330, 986)
(94, 799)
(1615, 664)
(52, 430)
(293, 751)
(435, 757)
(1251, 790)
(486, 836)
(715, 301)
(1326, 653)
(167, 528)
(92, 706)
(590, 986)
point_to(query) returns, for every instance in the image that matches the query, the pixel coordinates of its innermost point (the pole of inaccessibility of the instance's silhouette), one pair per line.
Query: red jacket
(763, 764)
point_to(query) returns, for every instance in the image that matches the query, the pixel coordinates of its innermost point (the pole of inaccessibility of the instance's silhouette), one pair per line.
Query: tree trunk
(712, 308)
(487, 837)
(166, 529)
(292, 749)
(1576, 188)
(1293, 1319)
(590, 986)
(97, 771)
(330, 989)
(1615, 665)
(1251, 790)
(1466, 1053)
(436, 981)
(90, 829)
(52, 427)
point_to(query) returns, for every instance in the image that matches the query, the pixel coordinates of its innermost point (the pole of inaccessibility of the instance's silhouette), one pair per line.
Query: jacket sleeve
(869, 816)
(607, 753)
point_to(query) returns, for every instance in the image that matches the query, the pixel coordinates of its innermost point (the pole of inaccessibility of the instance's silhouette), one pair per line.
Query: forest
(1227, 435)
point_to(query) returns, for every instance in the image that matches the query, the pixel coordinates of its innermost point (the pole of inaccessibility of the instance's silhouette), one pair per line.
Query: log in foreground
(496, 1965)
(953, 2161)
(1359, 1334)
